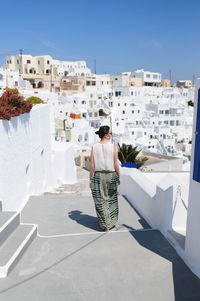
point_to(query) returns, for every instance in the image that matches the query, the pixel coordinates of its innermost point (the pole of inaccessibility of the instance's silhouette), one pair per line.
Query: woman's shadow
(84, 219)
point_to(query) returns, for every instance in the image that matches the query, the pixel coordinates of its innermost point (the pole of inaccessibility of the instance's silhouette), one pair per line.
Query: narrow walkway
(71, 259)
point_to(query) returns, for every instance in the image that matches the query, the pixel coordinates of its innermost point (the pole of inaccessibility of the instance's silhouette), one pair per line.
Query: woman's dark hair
(103, 130)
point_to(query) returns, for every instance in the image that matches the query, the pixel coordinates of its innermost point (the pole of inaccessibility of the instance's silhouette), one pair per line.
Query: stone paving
(81, 187)
(72, 260)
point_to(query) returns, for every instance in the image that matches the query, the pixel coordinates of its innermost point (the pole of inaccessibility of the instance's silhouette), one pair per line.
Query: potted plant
(13, 104)
(127, 155)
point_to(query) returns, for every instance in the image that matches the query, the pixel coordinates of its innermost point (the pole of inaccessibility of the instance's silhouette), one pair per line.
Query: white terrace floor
(71, 259)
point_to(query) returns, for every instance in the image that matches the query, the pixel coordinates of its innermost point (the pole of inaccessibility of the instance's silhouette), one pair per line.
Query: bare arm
(116, 164)
(92, 166)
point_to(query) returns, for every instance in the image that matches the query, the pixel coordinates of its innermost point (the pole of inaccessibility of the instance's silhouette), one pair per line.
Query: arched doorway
(40, 85)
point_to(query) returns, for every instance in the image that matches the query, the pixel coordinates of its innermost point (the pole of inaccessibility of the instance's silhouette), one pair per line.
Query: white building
(45, 64)
(10, 78)
(148, 78)
(184, 84)
(68, 68)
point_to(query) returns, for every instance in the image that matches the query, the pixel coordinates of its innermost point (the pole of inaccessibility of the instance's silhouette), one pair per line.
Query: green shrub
(35, 100)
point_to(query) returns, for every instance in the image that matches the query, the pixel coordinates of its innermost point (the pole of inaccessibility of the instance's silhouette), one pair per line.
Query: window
(116, 78)
(95, 114)
(138, 111)
(90, 114)
(48, 62)
(118, 93)
(155, 76)
(133, 133)
(83, 102)
(18, 62)
(132, 111)
(123, 112)
(148, 75)
(125, 104)
(118, 104)
(28, 61)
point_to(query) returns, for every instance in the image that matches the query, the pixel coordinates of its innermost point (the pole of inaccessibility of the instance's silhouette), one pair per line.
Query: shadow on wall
(14, 122)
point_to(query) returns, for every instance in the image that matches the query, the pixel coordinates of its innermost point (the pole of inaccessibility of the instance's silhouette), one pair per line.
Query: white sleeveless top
(103, 156)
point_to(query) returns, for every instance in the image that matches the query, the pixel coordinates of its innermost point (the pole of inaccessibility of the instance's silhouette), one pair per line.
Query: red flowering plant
(13, 104)
(9, 91)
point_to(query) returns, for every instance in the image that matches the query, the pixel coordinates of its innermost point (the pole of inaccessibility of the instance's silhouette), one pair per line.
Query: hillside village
(142, 109)
(44, 185)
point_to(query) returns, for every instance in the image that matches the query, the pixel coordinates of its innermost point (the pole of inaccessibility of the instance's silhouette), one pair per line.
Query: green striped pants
(104, 191)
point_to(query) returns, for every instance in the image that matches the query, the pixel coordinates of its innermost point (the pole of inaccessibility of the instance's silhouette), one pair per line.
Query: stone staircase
(15, 237)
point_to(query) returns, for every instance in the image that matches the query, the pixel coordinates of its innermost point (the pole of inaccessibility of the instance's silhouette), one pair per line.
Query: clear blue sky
(122, 35)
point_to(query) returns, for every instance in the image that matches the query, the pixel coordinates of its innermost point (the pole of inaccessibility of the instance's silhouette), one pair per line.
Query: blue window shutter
(196, 169)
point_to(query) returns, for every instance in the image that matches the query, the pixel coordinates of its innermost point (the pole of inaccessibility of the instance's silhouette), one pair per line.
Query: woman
(104, 179)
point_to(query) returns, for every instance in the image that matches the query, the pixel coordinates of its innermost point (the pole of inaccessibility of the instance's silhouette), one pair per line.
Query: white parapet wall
(140, 191)
(161, 198)
(63, 163)
(27, 161)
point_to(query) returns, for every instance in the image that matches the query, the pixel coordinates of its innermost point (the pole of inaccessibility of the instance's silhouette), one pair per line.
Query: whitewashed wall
(192, 243)
(63, 164)
(140, 191)
(175, 164)
(26, 159)
(160, 198)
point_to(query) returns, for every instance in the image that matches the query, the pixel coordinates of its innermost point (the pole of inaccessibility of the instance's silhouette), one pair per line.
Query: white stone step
(14, 246)
(9, 221)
